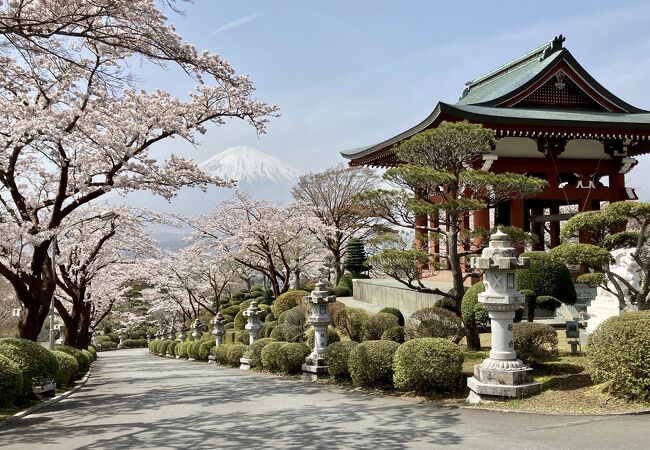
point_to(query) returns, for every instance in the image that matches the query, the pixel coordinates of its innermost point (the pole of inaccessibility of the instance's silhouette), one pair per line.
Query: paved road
(135, 400)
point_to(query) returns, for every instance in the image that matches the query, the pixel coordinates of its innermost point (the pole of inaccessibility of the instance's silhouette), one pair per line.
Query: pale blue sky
(351, 73)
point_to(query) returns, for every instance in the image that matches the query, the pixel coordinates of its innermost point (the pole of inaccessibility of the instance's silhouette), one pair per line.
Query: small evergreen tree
(356, 260)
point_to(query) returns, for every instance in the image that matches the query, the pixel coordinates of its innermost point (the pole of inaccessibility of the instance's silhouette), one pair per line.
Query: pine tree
(355, 258)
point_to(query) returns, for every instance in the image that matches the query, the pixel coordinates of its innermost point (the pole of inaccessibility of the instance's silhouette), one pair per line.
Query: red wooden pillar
(517, 217)
(465, 245)
(434, 241)
(481, 220)
(421, 222)
(538, 229)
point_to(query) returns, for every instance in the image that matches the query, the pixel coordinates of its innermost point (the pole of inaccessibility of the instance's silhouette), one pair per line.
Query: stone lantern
(93, 338)
(120, 334)
(320, 318)
(158, 334)
(218, 330)
(502, 374)
(182, 335)
(148, 337)
(252, 313)
(171, 333)
(197, 333)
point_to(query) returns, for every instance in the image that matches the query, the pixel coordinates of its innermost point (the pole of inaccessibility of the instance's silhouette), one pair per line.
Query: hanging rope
(592, 182)
(557, 173)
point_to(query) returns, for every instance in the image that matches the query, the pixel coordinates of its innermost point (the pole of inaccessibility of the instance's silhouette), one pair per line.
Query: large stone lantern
(120, 334)
(253, 315)
(148, 337)
(218, 331)
(320, 319)
(171, 333)
(182, 335)
(197, 333)
(502, 374)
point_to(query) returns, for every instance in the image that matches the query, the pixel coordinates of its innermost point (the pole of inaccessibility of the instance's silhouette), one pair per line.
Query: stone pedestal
(244, 363)
(315, 365)
(501, 375)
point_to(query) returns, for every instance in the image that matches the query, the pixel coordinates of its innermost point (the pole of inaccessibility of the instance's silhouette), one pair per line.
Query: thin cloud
(235, 24)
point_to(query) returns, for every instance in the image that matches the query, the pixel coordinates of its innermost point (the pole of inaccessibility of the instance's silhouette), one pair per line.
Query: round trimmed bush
(338, 354)
(193, 349)
(446, 303)
(88, 355)
(293, 356)
(618, 354)
(84, 360)
(68, 368)
(162, 347)
(376, 324)
(93, 352)
(427, 364)
(109, 345)
(11, 380)
(33, 360)
(395, 334)
(332, 336)
(242, 337)
(181, 350)
(204, 349)
(286, 301)
(434, 322)
(240, 321)
(271, 356)
(235, 353)
(535, 342)
(287, 333)
(152, 346)
(268, 328)
(371, 363)
(396, 312)
(221, 354)
(298, 316)
(255, 351)
(171, 348)
(350, 323)
(471, 310)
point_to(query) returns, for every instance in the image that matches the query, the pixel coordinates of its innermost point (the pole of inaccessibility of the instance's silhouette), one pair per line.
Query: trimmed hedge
(427, 364)
(33, 360)
(255, 351)
(171, 348)
(271, 356)
(84, 359)
(235, 353)
(162, 347)
(240, 321)
(204, 349)
(135, 343)
(181, 349)
(108, 345)
(286, 301)
(193, 349)
(377, 324)
(221, 354)
(332, 336)
(434, 322)
(93, 352)
(11, 381)
(293, 356)
(471, 310)
(618, 355)
(68, 368)
(371, 363)
(395, 334)
(394, 311)
(337, 355)
(535, 342)
(287, 333)
(350, 323)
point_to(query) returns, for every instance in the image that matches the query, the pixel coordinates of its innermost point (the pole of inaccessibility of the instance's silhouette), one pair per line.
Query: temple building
(552, 120)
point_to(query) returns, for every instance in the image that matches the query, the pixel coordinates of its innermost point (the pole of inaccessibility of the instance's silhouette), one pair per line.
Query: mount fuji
(250, 167)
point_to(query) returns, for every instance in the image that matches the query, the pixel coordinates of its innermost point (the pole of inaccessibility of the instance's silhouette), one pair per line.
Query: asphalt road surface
(135, 400)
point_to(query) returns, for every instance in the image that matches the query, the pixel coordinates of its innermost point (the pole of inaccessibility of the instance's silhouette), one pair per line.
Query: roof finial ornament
(554, 46)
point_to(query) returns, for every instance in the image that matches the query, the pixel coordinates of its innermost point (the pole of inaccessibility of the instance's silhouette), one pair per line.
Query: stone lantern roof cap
(218, 318)
(253, 310)
(320, 295)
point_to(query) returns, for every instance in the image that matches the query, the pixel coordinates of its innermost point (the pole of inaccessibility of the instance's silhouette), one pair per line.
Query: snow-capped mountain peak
(250, 165)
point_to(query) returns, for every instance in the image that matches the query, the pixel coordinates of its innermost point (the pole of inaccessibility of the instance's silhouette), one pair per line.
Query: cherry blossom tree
(96, 261)
(274, 241)
(75, 124)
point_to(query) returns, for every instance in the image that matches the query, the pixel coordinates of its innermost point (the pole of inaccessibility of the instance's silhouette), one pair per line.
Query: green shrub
(618, 354)
(93, 352)
(270, 317)
(240, 321)
(376, 324)
(342, 291)
(298, 316)
(229, 337)
(221, 354)
(68, 368)
(242, 337)
(535, 342)
(346, 281)
(395, 334)
(446, 303)
(286, 301)
(162, 347)
(271, 356)
(332, 336)
(371, 363)
(471, 310)
(104, 338)
(255, 351)
(152, 346)
(293, 356)
(204, 350)
(193, 349)
(350, 323)
(181, 349)
(33, 360)
(229, 326)
(427, 364)
(434, 322)
(396, 312)
(230, 311)
(287, 333)
(11, 381)
(235, 353)
(245, 304)
(83, 359)
(338, 354)
(88, 355)
(267, 328)
(109, 345)
(171, 348)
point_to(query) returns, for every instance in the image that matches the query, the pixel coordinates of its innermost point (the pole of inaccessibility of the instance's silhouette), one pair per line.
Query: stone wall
(387, 292)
